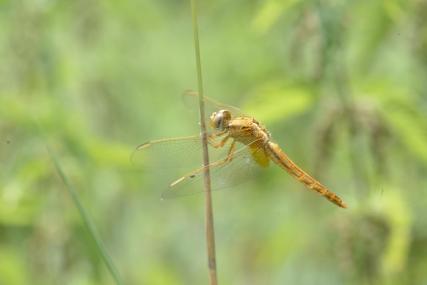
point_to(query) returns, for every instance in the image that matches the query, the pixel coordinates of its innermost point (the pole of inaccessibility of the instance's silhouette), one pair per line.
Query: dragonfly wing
(191, 100)
(225, 173)
(164, 152)
(172, 153)
(161, 161)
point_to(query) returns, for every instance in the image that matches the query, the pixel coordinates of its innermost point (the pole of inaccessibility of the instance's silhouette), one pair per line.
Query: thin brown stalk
(210, 233)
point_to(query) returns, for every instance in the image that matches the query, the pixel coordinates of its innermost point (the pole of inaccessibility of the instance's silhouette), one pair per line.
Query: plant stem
(210, 233)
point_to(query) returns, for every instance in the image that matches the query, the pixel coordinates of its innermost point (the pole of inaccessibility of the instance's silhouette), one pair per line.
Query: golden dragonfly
(245, 145)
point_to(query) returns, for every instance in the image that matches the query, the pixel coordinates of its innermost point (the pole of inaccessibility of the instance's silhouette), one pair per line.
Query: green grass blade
(90, 226)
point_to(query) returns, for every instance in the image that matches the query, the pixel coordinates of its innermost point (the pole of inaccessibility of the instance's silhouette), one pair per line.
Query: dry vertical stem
(210, 233)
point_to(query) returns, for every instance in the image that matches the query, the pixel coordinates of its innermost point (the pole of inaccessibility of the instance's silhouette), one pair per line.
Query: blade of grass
(210, 232)
(89, 225)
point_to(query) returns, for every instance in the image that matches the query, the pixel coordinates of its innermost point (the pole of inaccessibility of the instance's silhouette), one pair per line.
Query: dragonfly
(244, 145)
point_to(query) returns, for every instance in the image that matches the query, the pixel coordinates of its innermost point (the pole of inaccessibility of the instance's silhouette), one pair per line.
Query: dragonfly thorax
(220, 119)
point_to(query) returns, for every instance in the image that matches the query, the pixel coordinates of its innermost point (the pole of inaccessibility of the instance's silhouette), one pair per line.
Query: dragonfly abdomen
(280, 158)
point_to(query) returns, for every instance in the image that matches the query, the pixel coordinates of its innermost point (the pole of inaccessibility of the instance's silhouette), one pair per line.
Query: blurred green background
(340, 84)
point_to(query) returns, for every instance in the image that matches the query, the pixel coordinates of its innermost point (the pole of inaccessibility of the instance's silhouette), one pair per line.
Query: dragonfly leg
(220, 163)
(218, 134)
(230, 154)
(215, 135)
(221, 143)
(211, 139)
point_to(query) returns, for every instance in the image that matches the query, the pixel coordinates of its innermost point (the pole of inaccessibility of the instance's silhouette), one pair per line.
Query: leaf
(410, 131)
(401, 111)
(270, 13)
(276, 103)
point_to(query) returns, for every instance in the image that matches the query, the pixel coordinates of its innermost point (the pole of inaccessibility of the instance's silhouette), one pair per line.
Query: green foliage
(274, 103)
(88, 223)
(340, 84)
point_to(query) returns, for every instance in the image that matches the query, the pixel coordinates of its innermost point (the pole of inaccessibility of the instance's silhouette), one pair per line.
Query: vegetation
(341, 85)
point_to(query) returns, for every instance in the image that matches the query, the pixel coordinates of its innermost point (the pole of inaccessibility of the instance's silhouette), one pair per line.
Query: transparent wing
(167, 152)
(168, 165)
(160, 162)
(191, 100)
(235, 168)
(178, 154)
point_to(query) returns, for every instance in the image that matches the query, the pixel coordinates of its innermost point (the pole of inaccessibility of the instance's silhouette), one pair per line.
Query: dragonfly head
(220, 120)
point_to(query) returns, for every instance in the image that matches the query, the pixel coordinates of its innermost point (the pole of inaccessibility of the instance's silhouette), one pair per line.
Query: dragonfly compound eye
(219, 120)
(213, 120)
